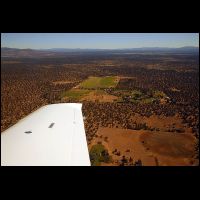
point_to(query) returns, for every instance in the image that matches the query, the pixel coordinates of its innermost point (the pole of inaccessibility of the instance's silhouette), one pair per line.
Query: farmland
(74, 94)
(99, 82)
(103, 89)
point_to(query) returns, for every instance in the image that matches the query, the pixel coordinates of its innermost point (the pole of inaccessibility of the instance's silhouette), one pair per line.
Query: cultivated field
(99, 82)
(92, 89)
(74, 94)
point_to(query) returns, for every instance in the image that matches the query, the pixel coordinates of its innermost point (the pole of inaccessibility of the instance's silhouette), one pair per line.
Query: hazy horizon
(101, 48)
(98, 40)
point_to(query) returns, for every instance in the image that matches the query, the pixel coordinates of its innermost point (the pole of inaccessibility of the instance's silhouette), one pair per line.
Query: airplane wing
(53, 135)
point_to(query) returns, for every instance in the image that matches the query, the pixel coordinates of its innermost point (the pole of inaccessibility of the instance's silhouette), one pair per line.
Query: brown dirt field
(171, 149)
(162, 122)
(152, 148)
(123, 140)
(100, 97)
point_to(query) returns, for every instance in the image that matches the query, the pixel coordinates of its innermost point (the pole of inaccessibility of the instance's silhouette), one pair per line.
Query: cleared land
(152, 148)
(103, 89)
(80, 95)
(99, 82)
(74, 94)
(162, 123)
(92, 89)
(100, 96)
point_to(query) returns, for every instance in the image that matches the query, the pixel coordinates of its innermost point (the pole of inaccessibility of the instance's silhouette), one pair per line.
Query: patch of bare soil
(151, 147)
(162, 123)
(99, 97)
(170, 149)
(127, 144)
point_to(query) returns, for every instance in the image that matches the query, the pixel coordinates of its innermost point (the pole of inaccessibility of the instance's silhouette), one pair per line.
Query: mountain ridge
(15, 52)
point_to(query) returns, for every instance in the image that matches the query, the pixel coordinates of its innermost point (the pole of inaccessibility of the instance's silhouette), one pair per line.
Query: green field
(99, 82)
(75, 94)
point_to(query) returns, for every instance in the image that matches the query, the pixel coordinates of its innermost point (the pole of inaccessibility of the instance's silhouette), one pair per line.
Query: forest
(29, 83)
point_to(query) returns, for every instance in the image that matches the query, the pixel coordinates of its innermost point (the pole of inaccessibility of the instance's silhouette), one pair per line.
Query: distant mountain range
(26, 53)
(186, 48)
(14, 52)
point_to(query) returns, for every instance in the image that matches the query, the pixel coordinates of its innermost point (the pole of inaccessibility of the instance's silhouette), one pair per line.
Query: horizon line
(100, 48)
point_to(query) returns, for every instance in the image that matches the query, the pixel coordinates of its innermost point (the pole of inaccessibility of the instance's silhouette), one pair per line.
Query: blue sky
(98, 40)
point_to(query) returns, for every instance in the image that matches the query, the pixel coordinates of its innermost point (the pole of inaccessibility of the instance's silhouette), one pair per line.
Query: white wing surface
(53, 135)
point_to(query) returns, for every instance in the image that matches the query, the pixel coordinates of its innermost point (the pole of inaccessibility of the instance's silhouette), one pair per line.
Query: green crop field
(75, 94)
(99, 82)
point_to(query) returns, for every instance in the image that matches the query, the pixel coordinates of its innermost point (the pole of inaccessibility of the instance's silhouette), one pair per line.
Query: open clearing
(94, 89)
(152, 148)
(99, 96)
(74, 94)
(162, 123)
(99, 82)
(81, 95)
(91, 90)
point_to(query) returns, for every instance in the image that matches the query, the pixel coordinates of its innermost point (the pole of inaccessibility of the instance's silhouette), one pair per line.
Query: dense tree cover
(30, 83)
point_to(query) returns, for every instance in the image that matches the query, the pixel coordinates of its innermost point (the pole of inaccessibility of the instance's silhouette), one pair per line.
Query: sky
(97, 40)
